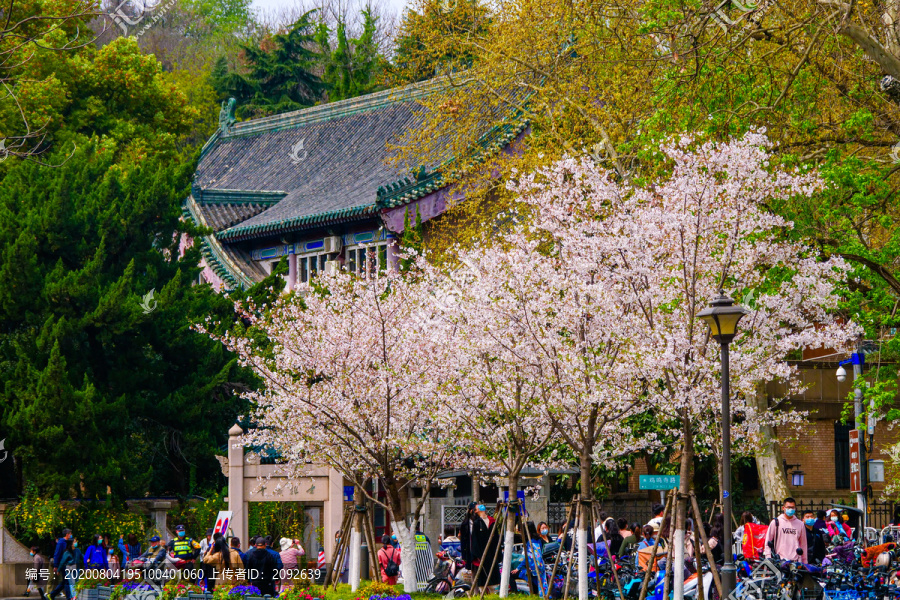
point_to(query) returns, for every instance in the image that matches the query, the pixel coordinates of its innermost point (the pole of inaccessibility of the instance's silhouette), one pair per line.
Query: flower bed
(302, 593)
(178, 589)
(133, 590)
(244, 590)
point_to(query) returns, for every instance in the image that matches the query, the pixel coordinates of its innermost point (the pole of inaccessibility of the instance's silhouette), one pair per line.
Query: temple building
(318, 186)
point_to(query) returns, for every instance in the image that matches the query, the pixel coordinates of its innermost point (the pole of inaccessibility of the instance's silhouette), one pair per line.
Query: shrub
(376, 588)
(35, 520)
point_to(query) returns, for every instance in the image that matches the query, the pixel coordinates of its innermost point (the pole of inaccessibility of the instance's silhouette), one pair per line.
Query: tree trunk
(769, 462)
(356, 542)
(583, 524)
(407, 537)
(676, 551)
(509, 537)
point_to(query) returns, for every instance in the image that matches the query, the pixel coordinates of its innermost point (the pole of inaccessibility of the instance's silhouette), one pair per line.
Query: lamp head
(722, 316)
(841, 374)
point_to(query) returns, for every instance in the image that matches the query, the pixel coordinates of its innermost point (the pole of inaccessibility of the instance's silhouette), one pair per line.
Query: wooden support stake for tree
(344, 546)
(572, 552)
(483, 558)
(701, 593)
(561, 540)
(612, 565)
(503, 509)
(374, 567)
(331, 577)
(709, 556)
(652, 563)
(330, 574)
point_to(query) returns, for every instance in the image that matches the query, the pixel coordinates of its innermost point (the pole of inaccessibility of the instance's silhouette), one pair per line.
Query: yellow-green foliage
(37, 520)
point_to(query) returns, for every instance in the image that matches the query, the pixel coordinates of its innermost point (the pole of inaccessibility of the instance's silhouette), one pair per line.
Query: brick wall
(815, 453)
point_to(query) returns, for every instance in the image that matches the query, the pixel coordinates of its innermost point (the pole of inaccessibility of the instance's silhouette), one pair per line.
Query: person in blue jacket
(57, 557)
(95, 555)
(131, 549)
(275, 555)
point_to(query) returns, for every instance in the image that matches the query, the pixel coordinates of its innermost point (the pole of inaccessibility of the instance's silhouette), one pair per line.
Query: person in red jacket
(835, 527)
(389, 561)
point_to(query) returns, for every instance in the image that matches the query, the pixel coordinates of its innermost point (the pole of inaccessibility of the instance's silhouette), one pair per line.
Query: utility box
(876, 471)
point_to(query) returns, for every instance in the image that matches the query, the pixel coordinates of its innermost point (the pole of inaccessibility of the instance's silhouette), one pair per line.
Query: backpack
(392, 569)
(754, 540)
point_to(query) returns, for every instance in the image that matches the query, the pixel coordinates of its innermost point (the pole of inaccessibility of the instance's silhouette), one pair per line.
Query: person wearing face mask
(79, 554)
(345, 568)
(835, 528)
(155, 554)
(95, 555)
(114, 565)
(815, 541)
(61, 546)
(465, 535)
(544, 533)
(67, 567)
(37, 563)
(183, 547)
(482, 524)
(787, 534)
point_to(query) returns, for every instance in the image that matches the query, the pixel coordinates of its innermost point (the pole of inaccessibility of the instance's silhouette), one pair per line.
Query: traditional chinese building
(318, 186)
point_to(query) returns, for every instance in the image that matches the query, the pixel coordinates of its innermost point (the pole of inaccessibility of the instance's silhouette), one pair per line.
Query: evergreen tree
(103, 382)
(427, 42)
(280, 74)
(351, 65)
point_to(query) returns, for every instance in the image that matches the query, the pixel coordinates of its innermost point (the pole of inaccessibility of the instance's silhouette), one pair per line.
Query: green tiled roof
(214, 254)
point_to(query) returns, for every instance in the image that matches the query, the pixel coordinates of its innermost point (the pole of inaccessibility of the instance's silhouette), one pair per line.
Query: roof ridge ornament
(226, 115)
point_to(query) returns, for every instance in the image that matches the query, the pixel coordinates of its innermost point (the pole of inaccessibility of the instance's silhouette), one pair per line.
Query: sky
(272, 5)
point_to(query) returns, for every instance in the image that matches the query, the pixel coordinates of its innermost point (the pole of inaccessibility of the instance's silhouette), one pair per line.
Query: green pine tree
(279, 74)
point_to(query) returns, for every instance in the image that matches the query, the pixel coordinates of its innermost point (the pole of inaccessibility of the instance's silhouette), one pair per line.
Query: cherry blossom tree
(667, 247)
(353, 371)
(498, 309)
(537, 345)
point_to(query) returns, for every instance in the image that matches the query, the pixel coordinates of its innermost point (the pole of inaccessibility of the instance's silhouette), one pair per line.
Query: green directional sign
(659, 482)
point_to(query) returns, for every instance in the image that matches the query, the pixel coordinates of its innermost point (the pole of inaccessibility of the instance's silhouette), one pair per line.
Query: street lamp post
(857, 359)
(722, 316)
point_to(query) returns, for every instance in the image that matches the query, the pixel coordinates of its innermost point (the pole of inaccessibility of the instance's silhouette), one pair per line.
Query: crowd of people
(808, 538)
(210, 561)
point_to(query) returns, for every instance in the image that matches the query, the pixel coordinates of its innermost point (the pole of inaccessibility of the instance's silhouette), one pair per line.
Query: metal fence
(639, 511)
(452, 515)
(635, 511)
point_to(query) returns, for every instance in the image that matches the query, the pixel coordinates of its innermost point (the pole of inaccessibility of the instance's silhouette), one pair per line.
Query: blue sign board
(659, 482)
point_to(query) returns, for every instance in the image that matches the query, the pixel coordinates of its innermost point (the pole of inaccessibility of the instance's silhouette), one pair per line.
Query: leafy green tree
(279, 76)
(104, 385)
(351, 66)
(428, 41)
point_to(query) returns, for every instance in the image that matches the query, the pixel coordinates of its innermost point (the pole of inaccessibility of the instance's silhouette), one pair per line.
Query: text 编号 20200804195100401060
(43, 575)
